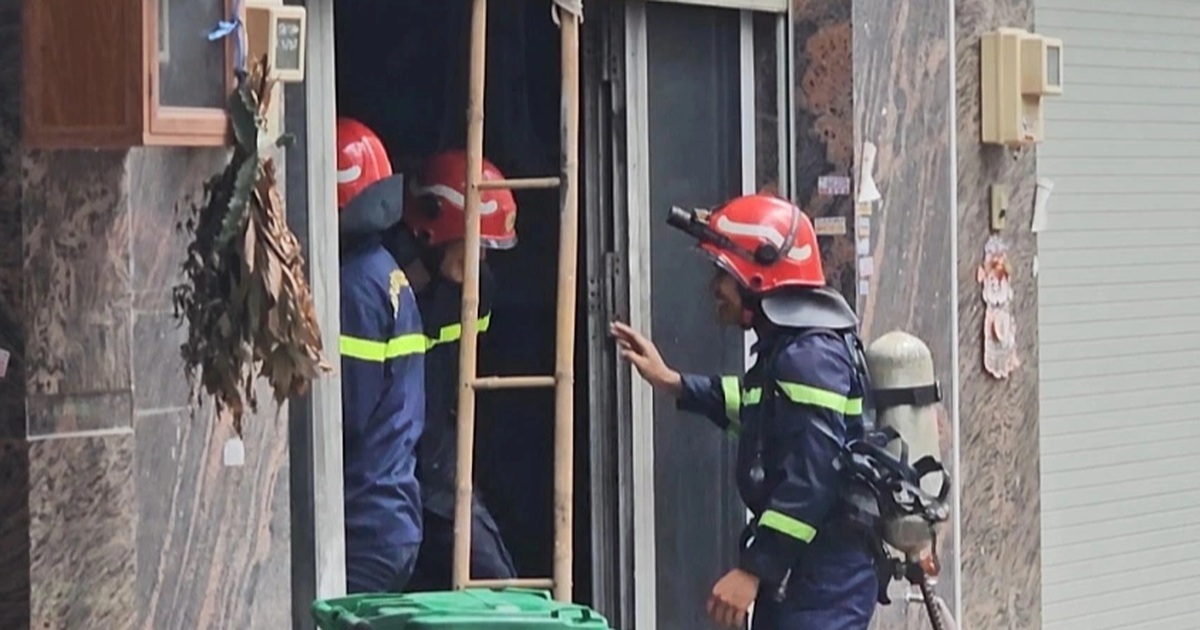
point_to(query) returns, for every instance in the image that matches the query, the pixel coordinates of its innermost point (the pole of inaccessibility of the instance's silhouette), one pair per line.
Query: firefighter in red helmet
(792, 412)
(431, 243)
(443, 183)
(382, 348)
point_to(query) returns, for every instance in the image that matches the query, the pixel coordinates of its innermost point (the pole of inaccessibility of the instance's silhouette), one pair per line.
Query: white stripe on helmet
(349, 175)
(453, 196)
(800, 254)
(734, 228)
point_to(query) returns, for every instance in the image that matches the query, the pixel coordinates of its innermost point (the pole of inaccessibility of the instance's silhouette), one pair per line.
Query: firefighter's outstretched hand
(642, 354)
(731, 598)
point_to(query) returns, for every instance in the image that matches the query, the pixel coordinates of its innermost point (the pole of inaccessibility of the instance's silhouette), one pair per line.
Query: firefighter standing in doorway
(383, 371)
(793, 412)
(431, 243)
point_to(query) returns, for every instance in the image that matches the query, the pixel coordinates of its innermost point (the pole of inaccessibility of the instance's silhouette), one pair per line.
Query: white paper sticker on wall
(866, 267)
(3, 362)
(830, 226)
(863, 247)
(833, 185)
(1041, 202)
(867, 190)
(864, 288)
(235, 452)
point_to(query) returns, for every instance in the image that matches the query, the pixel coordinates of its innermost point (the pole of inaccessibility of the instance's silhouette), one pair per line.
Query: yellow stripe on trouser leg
(817, 397)
(785, 524)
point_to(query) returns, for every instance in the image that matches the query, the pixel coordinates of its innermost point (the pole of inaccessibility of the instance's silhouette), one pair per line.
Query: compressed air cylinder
(899, 362)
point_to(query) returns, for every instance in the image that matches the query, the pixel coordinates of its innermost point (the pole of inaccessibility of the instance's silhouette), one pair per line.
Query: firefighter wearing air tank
(793, 412)
(383, 371)
(430, 242)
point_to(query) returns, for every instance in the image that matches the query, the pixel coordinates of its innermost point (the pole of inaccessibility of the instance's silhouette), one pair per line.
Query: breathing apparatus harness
(882, 489)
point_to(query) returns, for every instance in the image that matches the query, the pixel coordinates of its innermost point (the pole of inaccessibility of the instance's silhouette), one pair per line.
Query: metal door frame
(765, 6)
(637, 412)
(640, 416)
(318, 518)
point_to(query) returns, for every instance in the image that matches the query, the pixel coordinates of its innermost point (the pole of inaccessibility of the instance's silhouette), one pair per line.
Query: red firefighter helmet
(764, 242)
(361, 159)
(440, 195)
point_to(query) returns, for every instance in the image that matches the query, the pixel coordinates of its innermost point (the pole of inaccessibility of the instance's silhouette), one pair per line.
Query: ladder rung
(514, 382)
(520, 183)
(513, 583)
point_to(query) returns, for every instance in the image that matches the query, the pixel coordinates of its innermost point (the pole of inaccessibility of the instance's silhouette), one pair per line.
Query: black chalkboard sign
(289, 32)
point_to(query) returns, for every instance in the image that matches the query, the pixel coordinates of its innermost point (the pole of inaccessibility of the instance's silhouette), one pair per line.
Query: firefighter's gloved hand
(731, 598)
(644, 356)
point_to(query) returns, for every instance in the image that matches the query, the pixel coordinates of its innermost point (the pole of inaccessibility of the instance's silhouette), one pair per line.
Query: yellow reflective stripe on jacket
(809, 395)
(785, 524)
(752, 396)
(731, 391)
(380, 351)
(453, 332)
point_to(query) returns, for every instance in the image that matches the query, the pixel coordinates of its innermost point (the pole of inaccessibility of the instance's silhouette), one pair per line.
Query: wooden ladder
(563, 380)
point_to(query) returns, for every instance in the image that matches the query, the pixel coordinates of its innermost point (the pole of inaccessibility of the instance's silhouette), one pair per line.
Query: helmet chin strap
(750, 308)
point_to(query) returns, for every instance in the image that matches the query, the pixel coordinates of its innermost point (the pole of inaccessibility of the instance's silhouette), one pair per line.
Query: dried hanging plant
(245, 298)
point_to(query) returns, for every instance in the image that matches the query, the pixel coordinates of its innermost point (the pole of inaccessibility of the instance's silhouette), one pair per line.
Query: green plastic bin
(471, 609)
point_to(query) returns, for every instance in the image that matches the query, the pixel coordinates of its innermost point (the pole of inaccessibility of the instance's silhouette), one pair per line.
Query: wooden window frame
(183, 126)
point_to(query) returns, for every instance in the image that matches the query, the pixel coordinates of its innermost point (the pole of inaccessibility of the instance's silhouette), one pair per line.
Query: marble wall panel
(81, 531)
(213, 541)
(74, 413)
(166, 183)
(88, 256)
(159, 380)
(1001, 477)
(77, 273)
(823, 72)
(767, 118)
(902, 100)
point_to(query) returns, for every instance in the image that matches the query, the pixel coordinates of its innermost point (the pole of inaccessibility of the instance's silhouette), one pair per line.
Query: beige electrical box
(1019, 68)
(277, 31)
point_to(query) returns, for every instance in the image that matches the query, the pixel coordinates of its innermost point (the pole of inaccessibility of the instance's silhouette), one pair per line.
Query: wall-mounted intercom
(277, 31)
(1018, 69)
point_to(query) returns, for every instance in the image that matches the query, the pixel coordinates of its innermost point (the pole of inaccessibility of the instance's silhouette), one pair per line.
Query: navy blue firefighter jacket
(794, 410)
(383, 390)
(441, 311)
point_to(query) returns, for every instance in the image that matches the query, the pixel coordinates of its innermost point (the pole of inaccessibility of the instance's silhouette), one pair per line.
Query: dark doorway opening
(402, 70)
